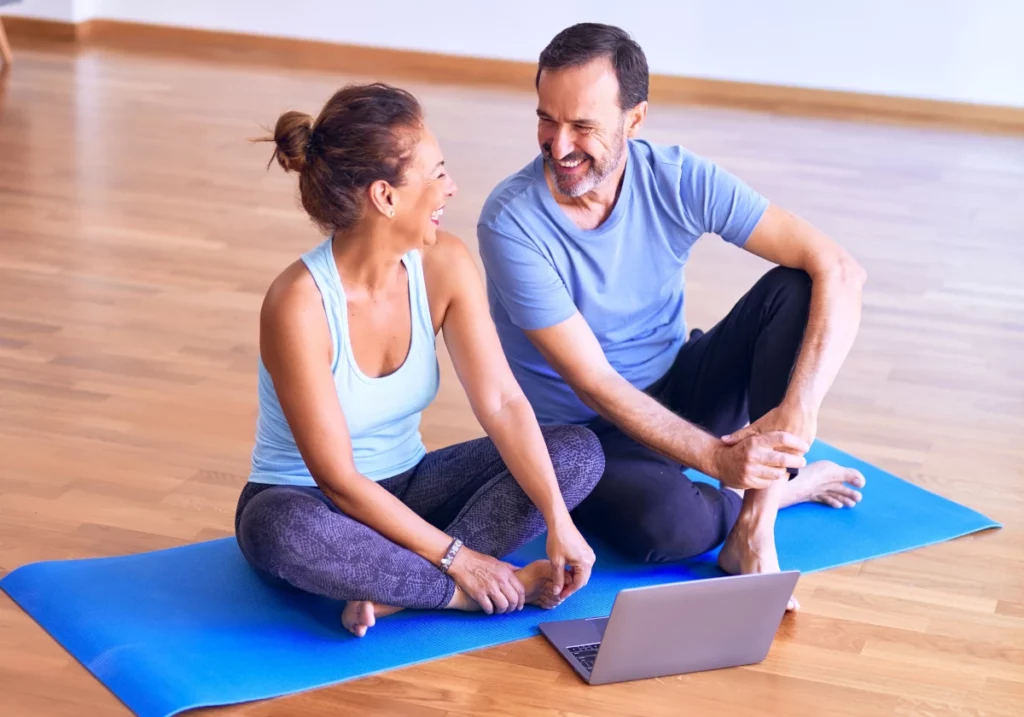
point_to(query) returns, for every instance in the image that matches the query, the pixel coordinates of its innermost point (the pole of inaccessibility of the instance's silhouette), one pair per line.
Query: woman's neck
(367, 259)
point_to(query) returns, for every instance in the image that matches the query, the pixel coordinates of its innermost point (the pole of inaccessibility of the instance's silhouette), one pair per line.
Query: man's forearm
(831, 329)
(646, 421)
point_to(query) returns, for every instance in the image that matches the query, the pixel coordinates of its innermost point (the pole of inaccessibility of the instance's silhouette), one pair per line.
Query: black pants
(644, 505)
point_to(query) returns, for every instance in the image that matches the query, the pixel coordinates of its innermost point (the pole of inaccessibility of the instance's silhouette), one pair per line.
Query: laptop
(677, 628)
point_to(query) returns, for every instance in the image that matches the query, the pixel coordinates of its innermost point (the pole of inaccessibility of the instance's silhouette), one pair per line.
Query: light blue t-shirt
(625, 277)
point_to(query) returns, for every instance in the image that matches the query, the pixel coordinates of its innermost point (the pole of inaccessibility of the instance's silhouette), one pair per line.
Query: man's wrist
(801, 404)
(712, 458)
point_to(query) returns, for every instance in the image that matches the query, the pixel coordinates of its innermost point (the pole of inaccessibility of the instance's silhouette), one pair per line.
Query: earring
(391, 213)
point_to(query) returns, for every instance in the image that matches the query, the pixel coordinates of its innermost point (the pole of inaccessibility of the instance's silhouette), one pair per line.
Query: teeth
(570, 165)
(437, 214)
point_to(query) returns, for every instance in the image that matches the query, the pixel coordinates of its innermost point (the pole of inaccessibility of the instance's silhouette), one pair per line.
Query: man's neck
(590, 210)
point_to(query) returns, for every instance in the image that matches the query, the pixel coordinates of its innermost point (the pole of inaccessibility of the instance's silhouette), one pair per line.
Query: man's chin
(576, 189)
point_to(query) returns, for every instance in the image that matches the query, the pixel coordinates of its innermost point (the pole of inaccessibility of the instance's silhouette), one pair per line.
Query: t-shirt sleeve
(718, 202)
(524, 280)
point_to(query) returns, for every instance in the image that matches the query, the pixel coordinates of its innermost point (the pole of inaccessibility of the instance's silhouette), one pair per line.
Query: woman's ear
(383, 198)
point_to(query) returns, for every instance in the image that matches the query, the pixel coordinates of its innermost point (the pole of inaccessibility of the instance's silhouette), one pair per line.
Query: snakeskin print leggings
(296, 534)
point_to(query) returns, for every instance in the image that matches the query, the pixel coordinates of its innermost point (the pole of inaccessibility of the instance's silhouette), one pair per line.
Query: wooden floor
(139, 229)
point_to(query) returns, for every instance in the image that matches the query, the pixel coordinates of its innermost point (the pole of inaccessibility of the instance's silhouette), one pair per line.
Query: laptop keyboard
(585, 655)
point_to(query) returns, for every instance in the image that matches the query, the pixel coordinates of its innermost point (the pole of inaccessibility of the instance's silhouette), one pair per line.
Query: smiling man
(584, 250)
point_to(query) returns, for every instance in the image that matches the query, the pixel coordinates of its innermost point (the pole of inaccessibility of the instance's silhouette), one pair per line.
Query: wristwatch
(453, 550)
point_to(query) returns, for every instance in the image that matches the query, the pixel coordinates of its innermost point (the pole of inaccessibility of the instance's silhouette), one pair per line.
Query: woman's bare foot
(824, 482)
(751, 549)
(360, 615)
(536, 580)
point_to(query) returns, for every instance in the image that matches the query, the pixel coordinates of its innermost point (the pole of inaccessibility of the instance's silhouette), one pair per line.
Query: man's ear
(635, 119)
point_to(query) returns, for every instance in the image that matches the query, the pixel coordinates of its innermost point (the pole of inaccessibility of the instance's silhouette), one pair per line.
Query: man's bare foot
(824, 482)
(360, 615)
(751, 549)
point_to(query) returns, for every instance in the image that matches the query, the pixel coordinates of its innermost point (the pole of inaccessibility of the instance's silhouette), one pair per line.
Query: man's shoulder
(512, 201)
(673, 158)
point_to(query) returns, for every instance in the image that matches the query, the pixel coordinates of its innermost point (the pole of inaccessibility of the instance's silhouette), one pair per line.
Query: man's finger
(485, 603)
(733, 438)
(778, 459)
(781, 439)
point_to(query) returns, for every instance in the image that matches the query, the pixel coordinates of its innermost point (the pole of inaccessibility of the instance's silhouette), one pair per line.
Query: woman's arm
(499, 403)
(296, 349)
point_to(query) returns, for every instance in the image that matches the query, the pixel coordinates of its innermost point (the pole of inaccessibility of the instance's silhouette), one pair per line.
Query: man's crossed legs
(737, 372)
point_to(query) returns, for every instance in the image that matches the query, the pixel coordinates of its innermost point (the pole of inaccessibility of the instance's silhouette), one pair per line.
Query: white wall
(58, 10)
(961, 50)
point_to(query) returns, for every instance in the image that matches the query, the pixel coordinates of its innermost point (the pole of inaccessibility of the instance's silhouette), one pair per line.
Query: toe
(854, 478)
(849, 496)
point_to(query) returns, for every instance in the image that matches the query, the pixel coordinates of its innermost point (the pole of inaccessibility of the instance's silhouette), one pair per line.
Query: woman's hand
(571, 557)
(488, 581)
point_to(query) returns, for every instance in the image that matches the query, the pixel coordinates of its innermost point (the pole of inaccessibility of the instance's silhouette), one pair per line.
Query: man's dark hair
(587, 41)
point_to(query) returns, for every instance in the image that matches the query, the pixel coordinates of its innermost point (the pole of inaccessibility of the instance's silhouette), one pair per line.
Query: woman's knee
(578, 460)
(270, 530)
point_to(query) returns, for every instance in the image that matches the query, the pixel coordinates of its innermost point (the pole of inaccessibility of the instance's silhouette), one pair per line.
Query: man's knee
(578, 460)
(664, 535)
(683, 522)
(792, 286)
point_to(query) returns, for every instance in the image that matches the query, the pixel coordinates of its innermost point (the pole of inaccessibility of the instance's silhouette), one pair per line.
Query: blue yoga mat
(193, 626)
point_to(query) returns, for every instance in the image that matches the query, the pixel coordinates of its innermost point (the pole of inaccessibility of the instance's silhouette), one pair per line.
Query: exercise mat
(194, 626)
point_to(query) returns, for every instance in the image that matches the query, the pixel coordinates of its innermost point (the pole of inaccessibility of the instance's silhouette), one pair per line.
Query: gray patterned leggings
(296, 534)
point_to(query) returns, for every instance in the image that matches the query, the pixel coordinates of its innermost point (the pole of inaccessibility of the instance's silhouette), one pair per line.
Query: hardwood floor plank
(139, 229)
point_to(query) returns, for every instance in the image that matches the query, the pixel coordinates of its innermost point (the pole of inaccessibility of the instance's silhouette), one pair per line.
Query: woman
(343, 500)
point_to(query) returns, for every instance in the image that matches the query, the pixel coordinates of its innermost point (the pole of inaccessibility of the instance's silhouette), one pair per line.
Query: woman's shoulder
(447, 267)
(447, 259)
(290, 295)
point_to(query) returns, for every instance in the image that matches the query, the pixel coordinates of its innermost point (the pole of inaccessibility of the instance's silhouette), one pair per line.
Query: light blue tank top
(382, 414)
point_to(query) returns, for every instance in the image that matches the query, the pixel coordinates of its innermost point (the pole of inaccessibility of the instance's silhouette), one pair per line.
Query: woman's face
(421, 199)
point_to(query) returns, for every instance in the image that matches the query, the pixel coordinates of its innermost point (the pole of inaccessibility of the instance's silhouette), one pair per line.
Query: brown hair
(361, 136)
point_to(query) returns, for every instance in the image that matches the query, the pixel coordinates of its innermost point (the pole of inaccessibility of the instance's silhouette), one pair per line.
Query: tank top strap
(418, 298)
(320, 262)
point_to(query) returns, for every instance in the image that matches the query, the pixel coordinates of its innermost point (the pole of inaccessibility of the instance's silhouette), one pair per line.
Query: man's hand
(488, 581)
(567, 548)
(788, 417)
(758, 459)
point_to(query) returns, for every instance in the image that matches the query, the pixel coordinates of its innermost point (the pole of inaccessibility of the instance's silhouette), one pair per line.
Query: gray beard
(596, 174)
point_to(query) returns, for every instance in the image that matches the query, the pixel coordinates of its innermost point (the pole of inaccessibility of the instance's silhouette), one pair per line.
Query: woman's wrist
(557, 517)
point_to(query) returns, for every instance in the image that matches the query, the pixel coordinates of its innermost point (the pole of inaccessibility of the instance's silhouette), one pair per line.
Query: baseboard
(31, 28)
(368, 62)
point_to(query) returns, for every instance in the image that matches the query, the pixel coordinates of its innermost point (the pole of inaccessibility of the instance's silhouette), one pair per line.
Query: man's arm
(571, 348)
(538, 302)
(837, 281)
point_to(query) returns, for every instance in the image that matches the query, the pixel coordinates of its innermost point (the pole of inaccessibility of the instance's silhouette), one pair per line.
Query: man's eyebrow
(589, 122)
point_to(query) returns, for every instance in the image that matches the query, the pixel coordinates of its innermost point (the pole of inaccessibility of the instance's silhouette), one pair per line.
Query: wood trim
(32, 28)
(238, 48)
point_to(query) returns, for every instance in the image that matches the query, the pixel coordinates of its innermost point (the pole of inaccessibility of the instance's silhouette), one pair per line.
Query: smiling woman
(343, 499)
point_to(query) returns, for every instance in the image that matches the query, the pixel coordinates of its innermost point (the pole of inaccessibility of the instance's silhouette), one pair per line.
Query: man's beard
(597, 170)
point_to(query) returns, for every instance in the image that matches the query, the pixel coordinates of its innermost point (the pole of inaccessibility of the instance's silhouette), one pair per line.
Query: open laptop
(677, 628)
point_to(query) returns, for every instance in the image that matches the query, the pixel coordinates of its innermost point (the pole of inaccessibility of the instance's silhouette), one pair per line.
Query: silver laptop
(677, 628)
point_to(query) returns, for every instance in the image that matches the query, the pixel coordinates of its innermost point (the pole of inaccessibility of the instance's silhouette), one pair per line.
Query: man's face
(581, 128)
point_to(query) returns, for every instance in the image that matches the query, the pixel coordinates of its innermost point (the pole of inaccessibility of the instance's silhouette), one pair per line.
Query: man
(584, 250)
